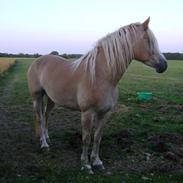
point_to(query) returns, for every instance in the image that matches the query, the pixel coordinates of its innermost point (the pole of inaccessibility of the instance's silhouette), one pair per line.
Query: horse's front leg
(99, 124)
(87, 123)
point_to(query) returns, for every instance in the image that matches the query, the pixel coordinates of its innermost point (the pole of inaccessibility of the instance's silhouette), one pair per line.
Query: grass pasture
(144, 144)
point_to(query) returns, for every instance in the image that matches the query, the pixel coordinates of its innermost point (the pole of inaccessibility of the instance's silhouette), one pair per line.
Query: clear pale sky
(73, 26)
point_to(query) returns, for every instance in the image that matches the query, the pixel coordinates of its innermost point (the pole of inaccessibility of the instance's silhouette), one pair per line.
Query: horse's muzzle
(162, 65)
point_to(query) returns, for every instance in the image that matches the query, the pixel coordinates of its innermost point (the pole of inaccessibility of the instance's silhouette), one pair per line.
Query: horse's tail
(36, 92)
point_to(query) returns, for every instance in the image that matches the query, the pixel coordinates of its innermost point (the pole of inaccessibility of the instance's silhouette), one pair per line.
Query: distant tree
(65, 55)
(36, 55)
(54, 53)
(174, 56)
(20, 55)
(68, 56)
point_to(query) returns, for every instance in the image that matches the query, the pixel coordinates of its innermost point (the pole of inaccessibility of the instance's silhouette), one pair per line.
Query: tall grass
(5, 64)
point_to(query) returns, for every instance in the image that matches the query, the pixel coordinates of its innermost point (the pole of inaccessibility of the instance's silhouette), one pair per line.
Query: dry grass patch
(5, 64)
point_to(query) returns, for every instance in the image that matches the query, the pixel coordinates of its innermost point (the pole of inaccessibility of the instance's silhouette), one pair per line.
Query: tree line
(169, 56)
(36, 55)
(21, 55)
(174, 56)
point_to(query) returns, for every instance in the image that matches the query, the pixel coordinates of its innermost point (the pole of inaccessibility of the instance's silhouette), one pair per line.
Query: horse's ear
(146, 23)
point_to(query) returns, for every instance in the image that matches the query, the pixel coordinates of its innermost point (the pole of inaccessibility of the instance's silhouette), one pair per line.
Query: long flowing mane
(118, 50)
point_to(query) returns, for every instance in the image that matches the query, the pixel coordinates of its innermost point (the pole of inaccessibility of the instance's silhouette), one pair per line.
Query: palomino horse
(90, 83)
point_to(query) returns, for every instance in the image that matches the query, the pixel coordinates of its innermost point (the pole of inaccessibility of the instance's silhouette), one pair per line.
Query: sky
(74, 26)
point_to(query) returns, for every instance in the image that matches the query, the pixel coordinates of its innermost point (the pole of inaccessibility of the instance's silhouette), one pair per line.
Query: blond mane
(118, 50)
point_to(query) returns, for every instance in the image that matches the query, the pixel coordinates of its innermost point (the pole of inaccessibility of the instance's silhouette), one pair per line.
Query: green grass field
(144, 144)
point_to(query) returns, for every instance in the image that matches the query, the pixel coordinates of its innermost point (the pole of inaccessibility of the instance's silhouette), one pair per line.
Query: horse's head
(146, 49)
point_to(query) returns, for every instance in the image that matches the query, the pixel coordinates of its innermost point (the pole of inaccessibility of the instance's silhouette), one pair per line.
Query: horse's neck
(103, 69)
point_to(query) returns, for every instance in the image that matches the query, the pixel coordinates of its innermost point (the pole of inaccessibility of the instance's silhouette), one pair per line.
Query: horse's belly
(64, 98)
(69, 103)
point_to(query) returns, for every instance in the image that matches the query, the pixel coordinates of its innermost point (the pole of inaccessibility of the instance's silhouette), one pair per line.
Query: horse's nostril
(162, 66)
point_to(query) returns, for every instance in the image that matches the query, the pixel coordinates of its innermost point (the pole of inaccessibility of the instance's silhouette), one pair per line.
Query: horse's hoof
(45, 149)
(91, 172)
(44, 145)
(99, 167)
(48, 139)
(87, 168)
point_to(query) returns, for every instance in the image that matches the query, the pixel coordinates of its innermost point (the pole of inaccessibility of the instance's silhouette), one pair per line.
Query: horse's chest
(99, 99)
(108, 102)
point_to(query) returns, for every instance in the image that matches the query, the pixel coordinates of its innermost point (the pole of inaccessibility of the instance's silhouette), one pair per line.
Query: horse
(89, 84)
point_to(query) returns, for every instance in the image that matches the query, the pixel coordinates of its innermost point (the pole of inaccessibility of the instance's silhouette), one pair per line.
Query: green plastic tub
(144, 96)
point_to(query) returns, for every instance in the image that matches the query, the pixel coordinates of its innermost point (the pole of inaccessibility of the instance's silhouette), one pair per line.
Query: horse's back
(47, 61)
(54, 76)
(42, 68)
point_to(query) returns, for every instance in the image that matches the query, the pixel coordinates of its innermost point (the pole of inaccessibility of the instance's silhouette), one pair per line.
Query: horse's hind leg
(40, 118)
(49, 106)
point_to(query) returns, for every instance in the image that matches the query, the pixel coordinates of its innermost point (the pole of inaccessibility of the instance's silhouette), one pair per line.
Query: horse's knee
(87, 124)
(97, 137)
(86, 139)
